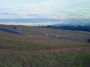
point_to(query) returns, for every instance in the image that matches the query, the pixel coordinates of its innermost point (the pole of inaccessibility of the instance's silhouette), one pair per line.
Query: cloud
(61, 9)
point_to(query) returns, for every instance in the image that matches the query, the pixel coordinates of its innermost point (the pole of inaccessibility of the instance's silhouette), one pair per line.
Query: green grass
(19, 53)
(26, 45)
(37, 59)
(17, 44)
(19, 56)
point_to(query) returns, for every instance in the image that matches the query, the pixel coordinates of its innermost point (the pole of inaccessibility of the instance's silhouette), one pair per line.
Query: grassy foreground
(38, 59)
(15, 53)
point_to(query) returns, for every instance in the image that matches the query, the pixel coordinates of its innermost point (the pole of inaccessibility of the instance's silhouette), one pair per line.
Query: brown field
(51, 39)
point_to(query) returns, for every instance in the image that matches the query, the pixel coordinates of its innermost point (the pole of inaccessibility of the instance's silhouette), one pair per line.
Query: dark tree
(88, 40)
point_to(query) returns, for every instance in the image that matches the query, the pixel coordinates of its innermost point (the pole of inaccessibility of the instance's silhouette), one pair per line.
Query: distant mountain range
(29, 20)
(70, 24)
(73, 22)
(45, 20)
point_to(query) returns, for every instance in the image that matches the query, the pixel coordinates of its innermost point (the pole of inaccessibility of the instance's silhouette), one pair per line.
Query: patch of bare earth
(66, 50)
(43, 51)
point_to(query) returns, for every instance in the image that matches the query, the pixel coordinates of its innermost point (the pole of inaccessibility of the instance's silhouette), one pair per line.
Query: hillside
(43, 47)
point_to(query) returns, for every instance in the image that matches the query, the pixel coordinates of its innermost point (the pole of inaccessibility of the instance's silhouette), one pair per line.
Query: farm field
(42, 47)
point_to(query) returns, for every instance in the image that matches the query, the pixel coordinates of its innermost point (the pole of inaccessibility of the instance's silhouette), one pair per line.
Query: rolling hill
(44, 47)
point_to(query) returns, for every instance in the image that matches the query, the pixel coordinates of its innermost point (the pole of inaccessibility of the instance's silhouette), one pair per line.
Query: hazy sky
(57, 9)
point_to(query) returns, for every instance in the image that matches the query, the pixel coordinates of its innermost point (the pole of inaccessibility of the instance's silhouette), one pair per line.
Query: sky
(51, 9)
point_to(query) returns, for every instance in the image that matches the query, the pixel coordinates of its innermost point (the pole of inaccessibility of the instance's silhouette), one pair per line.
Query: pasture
(59, 48)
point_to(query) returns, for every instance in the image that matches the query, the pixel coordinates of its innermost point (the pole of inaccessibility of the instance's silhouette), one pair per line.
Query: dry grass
(43, 51)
